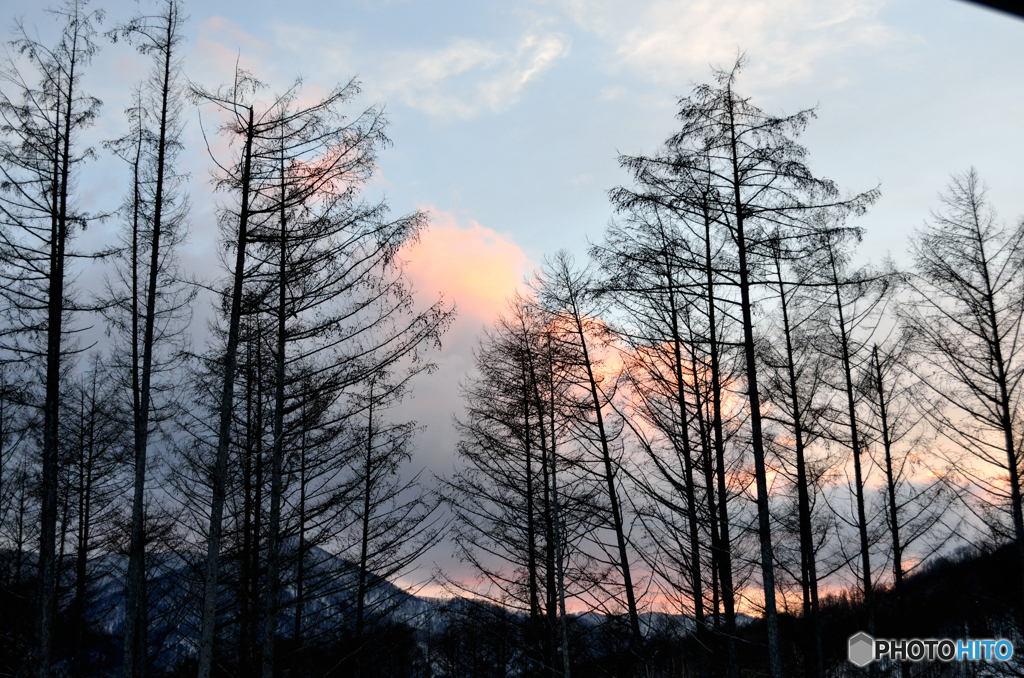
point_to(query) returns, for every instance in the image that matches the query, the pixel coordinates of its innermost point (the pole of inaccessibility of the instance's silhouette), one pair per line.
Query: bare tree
(965, 319)
(154, 215)
(238, 177)
(18, 512)
(851, 300)
(660, 272)
(794, 384)
(40, 155)
(325, 246)
(569, 295)
(752, 171)
(15, 427)
(922, 516)
(516, 523)
(93, 438)
(313, 155)
(396, 521)
(323, 265)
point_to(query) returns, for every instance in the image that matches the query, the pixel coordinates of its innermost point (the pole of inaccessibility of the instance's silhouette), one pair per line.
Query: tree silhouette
(40, 156)
(964, 318)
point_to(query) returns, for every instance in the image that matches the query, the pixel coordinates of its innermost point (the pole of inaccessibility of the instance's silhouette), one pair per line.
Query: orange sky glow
(475, 266)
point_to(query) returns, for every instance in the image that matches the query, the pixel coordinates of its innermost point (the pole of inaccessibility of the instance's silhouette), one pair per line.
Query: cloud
(225, 29)
(476, 266)
(670, 42)
(222, 43)
(470, 77)
(466, 78)
(479, 269)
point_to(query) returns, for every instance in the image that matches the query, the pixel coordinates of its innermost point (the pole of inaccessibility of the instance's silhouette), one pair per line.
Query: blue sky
(507, 118)
(512, 114)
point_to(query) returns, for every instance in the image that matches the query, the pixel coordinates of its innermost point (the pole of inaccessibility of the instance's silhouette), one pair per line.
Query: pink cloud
(222, 44)
(477, 267)
(228, 31)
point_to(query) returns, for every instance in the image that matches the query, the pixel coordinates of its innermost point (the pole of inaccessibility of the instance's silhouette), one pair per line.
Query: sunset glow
(475, 266)
(403, 338)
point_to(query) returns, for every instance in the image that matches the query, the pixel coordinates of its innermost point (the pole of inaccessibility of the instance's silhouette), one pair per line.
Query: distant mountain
(175, 597)
(963, 594)
(330, 584)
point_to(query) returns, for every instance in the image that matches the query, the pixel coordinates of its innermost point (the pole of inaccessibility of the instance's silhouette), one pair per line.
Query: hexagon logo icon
(862, 649)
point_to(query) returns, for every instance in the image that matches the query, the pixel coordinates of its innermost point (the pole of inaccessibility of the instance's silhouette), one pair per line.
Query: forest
(719, 444)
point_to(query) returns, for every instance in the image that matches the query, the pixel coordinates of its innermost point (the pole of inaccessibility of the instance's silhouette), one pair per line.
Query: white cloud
(671, 41)
(462, 80)
(469, 77)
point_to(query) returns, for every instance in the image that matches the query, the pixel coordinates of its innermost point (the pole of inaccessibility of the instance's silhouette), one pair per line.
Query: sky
(507, 119)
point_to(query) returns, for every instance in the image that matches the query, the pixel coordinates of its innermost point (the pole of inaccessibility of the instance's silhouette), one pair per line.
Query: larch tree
(149, 305)
(965, 319)
(654, 275)
(923, 506)
(44, 113)
(15, 429)
(341, 304)
(850, 303)
(672, 239)
(518, 520)
(322, 266)
(753, 172)
(396, 520)
(242, 180)
(794, 383)
(568, 295)
(93, 440)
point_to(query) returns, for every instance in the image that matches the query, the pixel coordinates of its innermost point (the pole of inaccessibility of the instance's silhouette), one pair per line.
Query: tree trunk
(757, 440)
(551, 602)
(559, 563)
(724, 552)
(51, 410)
(246, 603)
(549, 524)
(559, 566)
(894, 518)
(135, 640)
(869, 602)
(364, 541)
(696, 578)
(277, 456)
(210, 585)
(85, 481)
(531, 522)
(300, 561)
(613, 499)
(810, 578)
